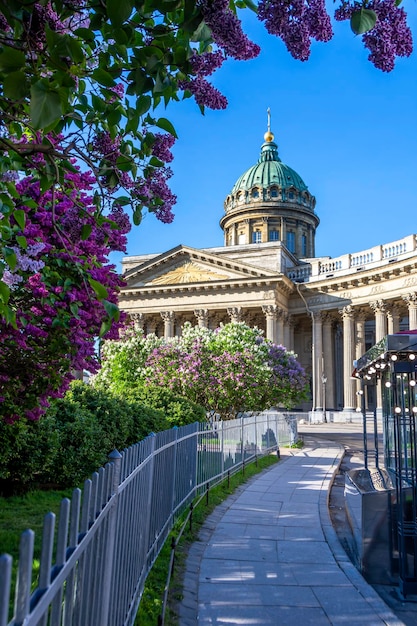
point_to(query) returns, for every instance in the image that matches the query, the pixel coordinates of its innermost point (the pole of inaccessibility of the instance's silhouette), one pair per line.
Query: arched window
(274, 192)
(256, 236)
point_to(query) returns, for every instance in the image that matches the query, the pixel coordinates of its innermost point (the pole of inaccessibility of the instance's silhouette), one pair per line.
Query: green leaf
(20, 217)
(105, 327)
(74, 309)
(11, 60)
(10, 257)
(86, 231)
(15, 86)
(122, 201)
(22, 241)
(362, 21)
(137, 215)
(45, 106)
(4, 292)
(112, 310)
(103, 77)
(166, 125)
(100, 290)
(119, 11)
(85, 33)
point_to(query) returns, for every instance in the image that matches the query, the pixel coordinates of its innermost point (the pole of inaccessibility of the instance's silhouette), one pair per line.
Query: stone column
(349, 385)
(328, 361)
(202, 317)
(318, 358)
(393, 317)
(360, 351)
(291, 326)
(271, 311)
(280, 327)
(169, 318)
(286, 338)
(411, 300)
(138, 320)
(235, 314)
(379, 308)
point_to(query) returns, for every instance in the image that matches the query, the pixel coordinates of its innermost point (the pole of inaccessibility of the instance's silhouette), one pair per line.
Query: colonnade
(387, 316)
(337, 337)
(278, 322)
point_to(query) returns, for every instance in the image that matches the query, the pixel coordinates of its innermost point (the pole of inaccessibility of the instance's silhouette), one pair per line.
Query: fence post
(114, 457)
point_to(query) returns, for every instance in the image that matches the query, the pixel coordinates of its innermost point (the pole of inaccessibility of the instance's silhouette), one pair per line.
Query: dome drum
(271, 202)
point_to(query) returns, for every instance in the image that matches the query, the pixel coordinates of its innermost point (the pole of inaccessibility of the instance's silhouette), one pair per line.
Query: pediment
(185, 265)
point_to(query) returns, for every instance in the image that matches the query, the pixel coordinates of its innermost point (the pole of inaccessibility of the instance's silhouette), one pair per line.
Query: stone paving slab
(270, 556)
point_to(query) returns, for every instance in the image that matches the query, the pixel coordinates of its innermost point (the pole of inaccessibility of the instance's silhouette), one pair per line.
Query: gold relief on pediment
(188, 273)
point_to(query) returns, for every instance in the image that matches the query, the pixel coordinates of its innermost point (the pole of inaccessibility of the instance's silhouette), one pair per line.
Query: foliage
(60, 287)
(80, 138)
(228, 371)
(73, 439)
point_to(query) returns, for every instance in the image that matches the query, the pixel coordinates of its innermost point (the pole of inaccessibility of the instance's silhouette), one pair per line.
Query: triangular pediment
(185, 265)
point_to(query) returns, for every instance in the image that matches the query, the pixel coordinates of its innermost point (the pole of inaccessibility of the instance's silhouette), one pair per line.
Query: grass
(151, 603)
(18, 513)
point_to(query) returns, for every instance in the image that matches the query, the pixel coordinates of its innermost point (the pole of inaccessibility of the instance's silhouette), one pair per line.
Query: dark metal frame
(393, 361)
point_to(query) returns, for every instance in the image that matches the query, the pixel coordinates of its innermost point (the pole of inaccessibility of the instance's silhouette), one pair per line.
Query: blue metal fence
(93, 566)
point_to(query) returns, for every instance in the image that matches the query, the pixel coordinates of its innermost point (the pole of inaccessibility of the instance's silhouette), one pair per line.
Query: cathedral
(329, 311)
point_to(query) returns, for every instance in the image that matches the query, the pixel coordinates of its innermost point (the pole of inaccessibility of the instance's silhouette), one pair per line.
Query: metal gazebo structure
(392, 363)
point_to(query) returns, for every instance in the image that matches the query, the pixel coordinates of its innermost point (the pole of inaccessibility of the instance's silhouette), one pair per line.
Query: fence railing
(93, 566)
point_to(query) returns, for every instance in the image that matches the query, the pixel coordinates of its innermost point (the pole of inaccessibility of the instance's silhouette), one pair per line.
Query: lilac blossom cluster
(207, 63)
(226, 30)
(297, 22)
(204, 93)
(162, 145)
(153, 192)
(390, 37)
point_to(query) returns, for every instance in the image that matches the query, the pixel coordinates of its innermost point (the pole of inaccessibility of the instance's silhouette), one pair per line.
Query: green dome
(269, 171)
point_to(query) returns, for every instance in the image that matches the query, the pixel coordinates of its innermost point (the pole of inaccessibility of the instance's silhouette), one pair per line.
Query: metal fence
(93, 566)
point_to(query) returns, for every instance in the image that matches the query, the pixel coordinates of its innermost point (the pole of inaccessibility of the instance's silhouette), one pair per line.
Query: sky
(348, 129)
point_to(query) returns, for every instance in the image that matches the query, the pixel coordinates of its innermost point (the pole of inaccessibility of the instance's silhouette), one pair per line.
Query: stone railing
(325, 267)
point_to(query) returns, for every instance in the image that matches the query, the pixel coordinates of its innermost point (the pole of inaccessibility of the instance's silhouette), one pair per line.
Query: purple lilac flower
(161, 147)
(204, 93)
(297, 22)
(205, 64)
(227, 30)
(390, 37)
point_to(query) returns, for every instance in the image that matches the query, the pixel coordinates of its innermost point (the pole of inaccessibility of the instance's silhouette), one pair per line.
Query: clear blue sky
(347, 128)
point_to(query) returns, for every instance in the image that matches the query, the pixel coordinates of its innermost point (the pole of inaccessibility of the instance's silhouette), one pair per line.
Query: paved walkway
(270, 556)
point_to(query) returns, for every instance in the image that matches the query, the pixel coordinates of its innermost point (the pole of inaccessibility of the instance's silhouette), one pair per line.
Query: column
(138, 320)
(286, 338)
(202, 317)
(411, 300)
(379, 309)
(349, 385)
(291, 326)
(359, 351)
(169, 318)
(318, 359)
(328, 361)
(235, 314)
(393, 317)
(280, 327)
(271, 311)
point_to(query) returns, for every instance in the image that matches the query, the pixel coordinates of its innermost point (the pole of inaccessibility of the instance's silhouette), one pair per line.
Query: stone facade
(329, 311)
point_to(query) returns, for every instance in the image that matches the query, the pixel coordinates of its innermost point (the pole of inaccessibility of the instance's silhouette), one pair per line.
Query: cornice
(278, 281)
